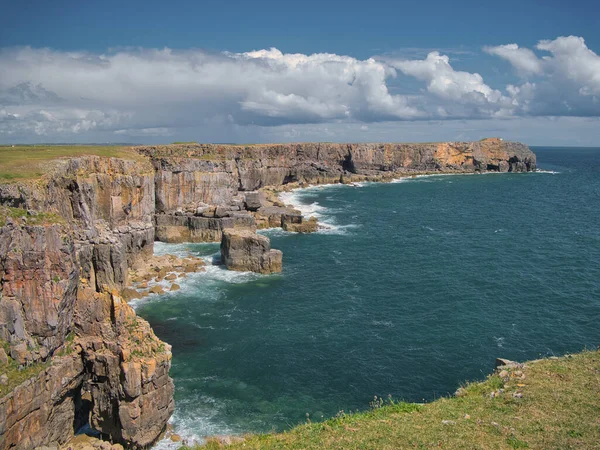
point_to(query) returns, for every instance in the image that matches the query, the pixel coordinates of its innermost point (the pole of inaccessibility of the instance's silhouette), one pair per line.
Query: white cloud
(150, 93)
(453, 87)
(165, 89)
(523, 59)
(572, 60)
(565, 83)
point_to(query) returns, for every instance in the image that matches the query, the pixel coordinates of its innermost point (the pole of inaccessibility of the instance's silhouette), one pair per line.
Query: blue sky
(149, 71)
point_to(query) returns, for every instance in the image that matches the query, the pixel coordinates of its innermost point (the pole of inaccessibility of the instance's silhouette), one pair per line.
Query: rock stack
(244, 250)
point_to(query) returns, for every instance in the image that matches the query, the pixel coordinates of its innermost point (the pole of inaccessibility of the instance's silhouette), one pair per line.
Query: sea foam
(326, 216)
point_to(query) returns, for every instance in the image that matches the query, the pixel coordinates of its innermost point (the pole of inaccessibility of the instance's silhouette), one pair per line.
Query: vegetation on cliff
(550, 403)
(13, 373)
(26, 162)
(32, 218)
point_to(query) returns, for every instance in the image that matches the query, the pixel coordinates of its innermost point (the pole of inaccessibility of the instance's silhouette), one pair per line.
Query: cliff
(66, 244)
(73, 351)
(189, 178)
(210, 173)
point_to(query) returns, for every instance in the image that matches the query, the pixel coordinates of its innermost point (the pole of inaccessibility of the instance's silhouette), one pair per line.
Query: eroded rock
(245, 250)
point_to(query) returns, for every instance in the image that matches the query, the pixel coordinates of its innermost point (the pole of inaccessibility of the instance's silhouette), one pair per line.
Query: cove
(413, 288)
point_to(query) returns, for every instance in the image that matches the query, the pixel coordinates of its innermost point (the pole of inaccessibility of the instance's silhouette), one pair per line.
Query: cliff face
(189, 177)
(39, 274)
(61, 266)
(213, 174)
(68, 241)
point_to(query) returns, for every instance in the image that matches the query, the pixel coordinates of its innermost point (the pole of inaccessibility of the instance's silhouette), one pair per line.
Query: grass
(39, 218)
(27, 162)
(15, 374)
(559, 409)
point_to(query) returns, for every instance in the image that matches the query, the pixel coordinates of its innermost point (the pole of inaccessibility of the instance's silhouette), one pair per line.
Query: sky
(272, 71)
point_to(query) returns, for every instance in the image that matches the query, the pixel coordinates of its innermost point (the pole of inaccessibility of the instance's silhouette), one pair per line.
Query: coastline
(288, 196)
(89, 218)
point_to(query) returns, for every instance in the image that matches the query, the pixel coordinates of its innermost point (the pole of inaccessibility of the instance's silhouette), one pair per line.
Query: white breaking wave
(552, 172)
(294, 198)
(193, 281)
(407, 178)
(327, 223)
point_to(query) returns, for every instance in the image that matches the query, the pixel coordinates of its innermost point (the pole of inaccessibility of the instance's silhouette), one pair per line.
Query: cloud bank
(142, 94)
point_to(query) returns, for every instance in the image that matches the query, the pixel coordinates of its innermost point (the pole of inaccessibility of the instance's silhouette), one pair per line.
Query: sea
(410, 289)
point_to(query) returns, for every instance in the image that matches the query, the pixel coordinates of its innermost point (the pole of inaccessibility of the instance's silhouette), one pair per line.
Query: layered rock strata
(66, 244)
(244, 250)
(202, 189)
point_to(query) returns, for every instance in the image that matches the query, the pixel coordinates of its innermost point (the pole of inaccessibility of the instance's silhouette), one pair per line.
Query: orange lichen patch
(447, 154)
(495, 148)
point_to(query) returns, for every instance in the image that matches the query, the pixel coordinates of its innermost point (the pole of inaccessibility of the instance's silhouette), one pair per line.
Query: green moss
(69, 345)
(39, 218)
(15, 374)
(558, 409)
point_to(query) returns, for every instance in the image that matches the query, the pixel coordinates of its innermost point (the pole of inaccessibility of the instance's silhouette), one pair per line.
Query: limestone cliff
(190, 178)
(66, 244)
(74, 351)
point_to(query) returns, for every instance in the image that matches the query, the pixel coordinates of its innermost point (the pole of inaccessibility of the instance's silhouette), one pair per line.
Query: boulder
(19, 353)
(156, 290)
(306, 226)
(222, 211)
(291, 217)
(254, 200)
(129, 294)
(244, 250)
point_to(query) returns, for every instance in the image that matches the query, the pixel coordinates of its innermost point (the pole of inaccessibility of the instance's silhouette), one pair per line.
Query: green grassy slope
(546, 404)
(26, 162)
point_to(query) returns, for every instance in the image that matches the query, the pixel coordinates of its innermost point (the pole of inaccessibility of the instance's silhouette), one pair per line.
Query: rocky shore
(76, 244)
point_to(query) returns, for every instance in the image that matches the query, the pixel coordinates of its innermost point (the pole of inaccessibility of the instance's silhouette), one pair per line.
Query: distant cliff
(68, 240)
(214, 173)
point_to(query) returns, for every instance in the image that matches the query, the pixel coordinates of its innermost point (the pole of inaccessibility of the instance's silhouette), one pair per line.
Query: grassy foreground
(25, 162)
(546, 404)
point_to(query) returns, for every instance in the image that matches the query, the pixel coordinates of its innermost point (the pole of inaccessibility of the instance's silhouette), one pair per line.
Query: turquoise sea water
(415, 287)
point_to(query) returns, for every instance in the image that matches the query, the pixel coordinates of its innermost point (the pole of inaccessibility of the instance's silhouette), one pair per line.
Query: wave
(297, 198)
(294, 198)
(408, 178)
(205, 419)
(191, 282)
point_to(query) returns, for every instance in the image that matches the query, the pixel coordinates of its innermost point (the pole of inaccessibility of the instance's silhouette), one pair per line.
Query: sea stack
(244, 250)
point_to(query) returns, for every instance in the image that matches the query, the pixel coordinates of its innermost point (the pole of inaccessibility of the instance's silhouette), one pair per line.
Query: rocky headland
(77, 243)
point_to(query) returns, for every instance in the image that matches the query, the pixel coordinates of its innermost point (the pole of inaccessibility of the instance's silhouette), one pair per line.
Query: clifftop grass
(28, 162)
(546, 404)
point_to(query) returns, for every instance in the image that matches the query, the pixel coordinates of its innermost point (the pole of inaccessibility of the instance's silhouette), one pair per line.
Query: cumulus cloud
(53, 91)
(572, 60)
(454, 88)
(523, 59)
(157, 93)
(564, 83)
